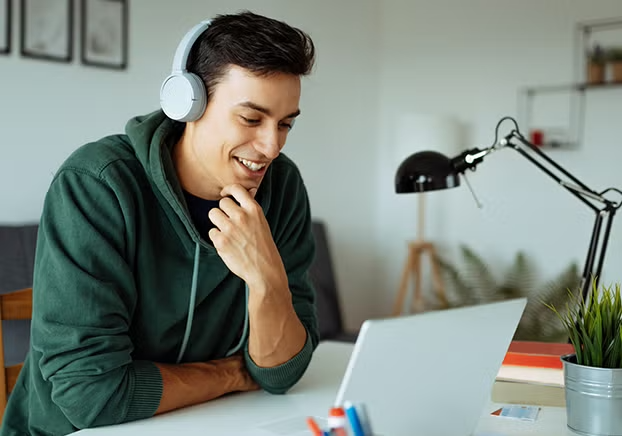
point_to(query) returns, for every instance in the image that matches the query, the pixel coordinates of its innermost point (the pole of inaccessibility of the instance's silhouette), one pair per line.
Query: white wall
(47, 110)
(466, 60)
(377, 60)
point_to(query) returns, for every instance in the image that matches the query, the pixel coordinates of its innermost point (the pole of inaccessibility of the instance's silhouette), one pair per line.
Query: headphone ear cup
(183, 97)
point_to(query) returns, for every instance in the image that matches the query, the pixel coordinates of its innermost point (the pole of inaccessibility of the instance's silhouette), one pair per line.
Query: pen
(337, 421)
(353, 418)
(364, 418)
(315, 429)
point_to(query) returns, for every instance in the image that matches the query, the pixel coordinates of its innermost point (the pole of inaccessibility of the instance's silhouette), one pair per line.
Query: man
(153, 245)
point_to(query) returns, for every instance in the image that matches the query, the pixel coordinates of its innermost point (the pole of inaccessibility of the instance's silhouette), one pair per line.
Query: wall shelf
(570, 87)
(577, 89)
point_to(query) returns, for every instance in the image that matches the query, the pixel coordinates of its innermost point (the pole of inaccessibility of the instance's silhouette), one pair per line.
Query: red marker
(337, 421)
(315, 429)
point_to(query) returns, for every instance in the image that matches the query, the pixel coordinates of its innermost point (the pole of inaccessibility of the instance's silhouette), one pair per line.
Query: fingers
(215, 236)
(240, 194)
(235, 212)
(229, 207)
(219, 219)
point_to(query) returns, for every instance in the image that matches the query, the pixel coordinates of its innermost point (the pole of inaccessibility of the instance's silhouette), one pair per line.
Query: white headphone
(182, 95)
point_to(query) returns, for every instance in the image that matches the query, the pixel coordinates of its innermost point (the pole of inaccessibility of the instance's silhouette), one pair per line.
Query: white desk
(240, 414)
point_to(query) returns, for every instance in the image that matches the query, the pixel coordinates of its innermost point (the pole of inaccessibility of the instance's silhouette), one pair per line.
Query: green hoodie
(113, 282)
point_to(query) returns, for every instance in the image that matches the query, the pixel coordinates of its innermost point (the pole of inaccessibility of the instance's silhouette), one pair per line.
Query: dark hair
(256, 43)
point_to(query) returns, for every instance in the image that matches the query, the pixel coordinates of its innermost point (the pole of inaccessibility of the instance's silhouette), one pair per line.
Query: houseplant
(477, 281)
(593, 374)
(596, 65)
(614, 58)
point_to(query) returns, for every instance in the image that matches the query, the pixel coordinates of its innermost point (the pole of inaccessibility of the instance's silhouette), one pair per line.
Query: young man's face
(244, 128)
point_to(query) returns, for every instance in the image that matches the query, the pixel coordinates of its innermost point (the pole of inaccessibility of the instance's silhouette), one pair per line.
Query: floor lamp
(417, 250)
(430, 171)
(422, 130)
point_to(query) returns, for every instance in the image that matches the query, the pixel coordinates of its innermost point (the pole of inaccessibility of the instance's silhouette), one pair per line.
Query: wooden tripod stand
(416, 251)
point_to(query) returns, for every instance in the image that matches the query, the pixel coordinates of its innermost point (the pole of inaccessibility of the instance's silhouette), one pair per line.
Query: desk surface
(261, 414)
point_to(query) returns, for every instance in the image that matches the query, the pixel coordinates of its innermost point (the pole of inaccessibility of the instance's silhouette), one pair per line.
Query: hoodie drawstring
(193, 298)
(245, 329)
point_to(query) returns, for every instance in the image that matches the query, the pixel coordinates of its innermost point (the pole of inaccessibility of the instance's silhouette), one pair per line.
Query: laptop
(430, 374)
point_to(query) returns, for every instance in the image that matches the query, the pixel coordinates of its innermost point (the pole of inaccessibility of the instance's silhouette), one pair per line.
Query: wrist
(268, 284)
(238, 375)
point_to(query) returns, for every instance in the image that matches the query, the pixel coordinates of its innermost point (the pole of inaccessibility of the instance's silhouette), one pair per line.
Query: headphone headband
(180, 61)
(183, 96)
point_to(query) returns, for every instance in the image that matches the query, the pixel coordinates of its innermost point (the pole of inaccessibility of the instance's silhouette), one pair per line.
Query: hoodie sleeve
(84, 296)
(294, 238)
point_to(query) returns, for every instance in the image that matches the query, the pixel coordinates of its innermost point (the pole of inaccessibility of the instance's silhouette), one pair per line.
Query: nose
(269, 143)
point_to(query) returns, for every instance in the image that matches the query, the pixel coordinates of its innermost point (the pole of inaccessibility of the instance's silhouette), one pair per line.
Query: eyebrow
(264, 110)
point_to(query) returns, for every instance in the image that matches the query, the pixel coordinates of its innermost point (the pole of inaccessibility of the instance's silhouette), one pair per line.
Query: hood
(152, 138)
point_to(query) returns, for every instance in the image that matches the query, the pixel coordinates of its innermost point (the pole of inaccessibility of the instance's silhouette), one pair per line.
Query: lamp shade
(426, 171)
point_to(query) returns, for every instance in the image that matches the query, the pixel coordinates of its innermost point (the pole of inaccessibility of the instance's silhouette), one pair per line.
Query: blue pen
(353, 418)
(364, 419)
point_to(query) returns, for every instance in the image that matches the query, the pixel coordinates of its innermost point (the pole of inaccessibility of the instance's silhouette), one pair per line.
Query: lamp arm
(469, 159)
(581, 191)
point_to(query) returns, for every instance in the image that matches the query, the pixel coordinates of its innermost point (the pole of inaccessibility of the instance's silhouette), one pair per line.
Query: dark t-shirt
(199, 208)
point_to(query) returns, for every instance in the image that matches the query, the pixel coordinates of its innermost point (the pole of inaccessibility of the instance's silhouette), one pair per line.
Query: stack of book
(532, 373)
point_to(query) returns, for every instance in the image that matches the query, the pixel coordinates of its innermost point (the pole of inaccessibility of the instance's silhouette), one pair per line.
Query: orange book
(537, 354)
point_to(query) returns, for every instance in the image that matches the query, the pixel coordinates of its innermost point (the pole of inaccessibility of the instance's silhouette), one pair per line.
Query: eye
(288, 126)
(249, 121)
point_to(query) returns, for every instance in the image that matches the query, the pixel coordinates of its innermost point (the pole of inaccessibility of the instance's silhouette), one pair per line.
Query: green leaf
(519, 280)
(597, 334)
(462, 295)
(556, 292)
(478, 275)
(595, 326)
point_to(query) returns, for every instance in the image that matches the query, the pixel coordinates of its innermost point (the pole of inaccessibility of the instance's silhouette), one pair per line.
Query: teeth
(252, 165)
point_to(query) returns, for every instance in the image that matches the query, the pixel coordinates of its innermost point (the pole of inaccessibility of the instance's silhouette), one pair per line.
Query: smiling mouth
(253, 166)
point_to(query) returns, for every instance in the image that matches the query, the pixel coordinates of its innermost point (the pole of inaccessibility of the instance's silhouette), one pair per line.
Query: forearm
(194, 383)
(276, 333)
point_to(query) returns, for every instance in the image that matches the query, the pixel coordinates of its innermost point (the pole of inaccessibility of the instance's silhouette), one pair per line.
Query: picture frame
(104, 30)
(5, 26)
(47, 29)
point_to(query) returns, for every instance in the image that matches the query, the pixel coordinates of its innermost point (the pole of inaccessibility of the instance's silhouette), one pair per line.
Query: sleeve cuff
(146, 390)
(279, 379)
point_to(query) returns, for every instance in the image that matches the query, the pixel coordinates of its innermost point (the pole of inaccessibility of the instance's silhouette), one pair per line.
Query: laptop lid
(432, 373)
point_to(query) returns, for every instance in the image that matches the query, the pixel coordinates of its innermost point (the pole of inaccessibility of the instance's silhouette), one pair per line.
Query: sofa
(17, 253)
(17, 256)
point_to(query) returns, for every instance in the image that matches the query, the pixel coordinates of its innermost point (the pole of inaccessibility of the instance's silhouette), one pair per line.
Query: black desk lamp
(430, 170)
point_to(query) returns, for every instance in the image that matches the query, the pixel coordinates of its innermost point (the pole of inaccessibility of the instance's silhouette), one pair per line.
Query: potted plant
(614, 58)
(596, 65)
(593, 374)
(475, 281)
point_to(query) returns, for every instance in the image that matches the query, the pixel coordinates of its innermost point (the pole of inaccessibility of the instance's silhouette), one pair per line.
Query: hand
(246, 382)
(244, 241)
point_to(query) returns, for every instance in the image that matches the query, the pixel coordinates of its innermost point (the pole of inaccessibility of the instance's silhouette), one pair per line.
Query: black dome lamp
(426, 171)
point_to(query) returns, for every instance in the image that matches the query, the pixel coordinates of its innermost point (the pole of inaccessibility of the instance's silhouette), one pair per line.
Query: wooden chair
(13, 306)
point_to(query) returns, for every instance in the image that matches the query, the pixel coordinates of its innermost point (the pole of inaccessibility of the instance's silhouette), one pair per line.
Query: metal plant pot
(593, 398)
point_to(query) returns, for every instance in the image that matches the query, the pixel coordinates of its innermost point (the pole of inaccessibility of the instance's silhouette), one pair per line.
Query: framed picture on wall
(47, 29)
(105, 33)
(5, 26)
